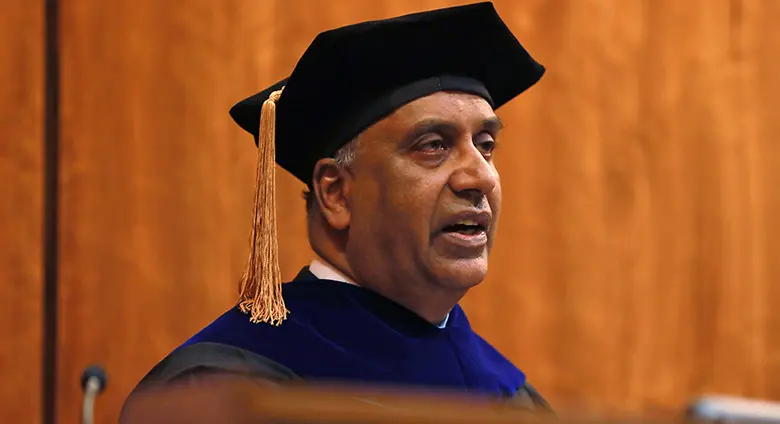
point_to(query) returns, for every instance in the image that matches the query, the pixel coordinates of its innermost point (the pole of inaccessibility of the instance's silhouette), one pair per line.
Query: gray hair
(345, 157)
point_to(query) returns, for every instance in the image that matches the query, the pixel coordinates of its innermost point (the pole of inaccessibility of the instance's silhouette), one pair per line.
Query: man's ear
(331, 190)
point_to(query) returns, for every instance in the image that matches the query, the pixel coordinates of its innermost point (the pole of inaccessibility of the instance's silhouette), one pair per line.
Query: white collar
(324, 271)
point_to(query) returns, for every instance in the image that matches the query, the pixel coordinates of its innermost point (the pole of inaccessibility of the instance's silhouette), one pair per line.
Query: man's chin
(462, 273)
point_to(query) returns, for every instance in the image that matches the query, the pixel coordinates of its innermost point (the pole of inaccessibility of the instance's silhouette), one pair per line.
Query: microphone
(93, 382)
(732, 409)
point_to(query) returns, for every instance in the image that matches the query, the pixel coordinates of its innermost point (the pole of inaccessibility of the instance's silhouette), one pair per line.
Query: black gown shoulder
(204, 359)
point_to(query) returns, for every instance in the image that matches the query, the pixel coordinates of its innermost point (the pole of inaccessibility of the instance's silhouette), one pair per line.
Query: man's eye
(434, 145)
(487, 147)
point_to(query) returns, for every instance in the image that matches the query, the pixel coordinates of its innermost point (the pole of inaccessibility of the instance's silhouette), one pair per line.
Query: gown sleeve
(190, 363)
(528, 398)
(197, 363)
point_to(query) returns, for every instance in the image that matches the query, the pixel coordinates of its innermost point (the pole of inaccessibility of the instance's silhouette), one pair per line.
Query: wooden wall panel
(156, 179)
(634, 267)
(636, 261)
(21, 208)
(21, 171)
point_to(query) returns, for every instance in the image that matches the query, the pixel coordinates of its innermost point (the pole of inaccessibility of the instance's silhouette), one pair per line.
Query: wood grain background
(636, 260)
(21, 210)
(156, 181)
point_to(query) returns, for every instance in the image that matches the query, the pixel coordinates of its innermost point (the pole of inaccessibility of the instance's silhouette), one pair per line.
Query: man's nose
(475, 176)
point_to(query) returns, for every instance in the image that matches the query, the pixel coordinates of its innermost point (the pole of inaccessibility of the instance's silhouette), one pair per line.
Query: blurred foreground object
(240, 400)
(730, 409)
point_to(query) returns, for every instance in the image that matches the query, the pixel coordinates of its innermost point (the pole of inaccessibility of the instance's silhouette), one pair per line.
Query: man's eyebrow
(429, 125)
(493, 124)
(432, 125)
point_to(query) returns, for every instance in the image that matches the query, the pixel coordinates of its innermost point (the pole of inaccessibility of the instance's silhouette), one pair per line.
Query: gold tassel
(260, 291)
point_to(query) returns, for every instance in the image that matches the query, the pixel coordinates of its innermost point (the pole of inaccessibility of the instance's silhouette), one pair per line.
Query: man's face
(425, 195)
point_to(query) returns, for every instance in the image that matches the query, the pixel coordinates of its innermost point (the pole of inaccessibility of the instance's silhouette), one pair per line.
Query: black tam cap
(348, 79)
(353, 76)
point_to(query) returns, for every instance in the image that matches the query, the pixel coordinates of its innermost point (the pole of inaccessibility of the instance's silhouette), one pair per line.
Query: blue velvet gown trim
(345, 333)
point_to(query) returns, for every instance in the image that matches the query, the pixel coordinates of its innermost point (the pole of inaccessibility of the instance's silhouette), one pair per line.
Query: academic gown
(345, 333)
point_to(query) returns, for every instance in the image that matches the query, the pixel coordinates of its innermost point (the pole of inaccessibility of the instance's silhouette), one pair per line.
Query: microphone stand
(93, 382)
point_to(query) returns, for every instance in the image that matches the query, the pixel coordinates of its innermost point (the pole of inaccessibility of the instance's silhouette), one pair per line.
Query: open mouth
(466, 227)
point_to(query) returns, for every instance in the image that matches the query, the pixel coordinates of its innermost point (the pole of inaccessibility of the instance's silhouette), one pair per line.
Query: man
(391, 125)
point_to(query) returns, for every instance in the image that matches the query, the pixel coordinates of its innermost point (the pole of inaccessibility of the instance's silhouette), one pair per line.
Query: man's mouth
(467, 227)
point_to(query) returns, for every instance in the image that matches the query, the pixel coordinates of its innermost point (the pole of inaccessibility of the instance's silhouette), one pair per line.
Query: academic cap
(348, 79)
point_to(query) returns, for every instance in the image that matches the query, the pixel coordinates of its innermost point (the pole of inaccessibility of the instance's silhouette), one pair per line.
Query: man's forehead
(449, 106)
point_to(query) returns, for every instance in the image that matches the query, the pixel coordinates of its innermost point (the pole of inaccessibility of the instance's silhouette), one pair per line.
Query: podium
(244, 402)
